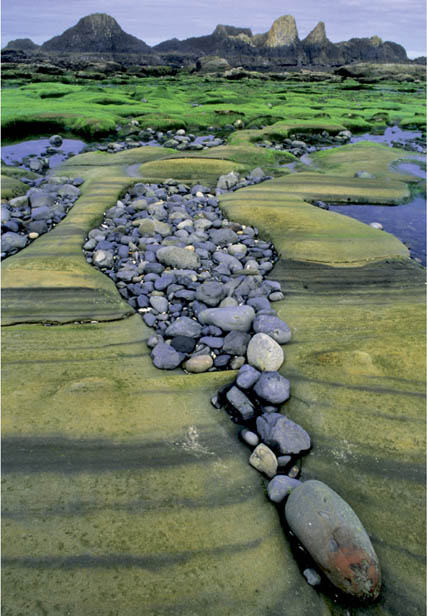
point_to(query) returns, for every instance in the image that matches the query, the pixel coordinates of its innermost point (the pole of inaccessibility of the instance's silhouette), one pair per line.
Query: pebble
(199, 363)
(273, 326)
(312, 577)
(247, 376)
(264, 460)
(264, 353)
(165, 357)
(240, 403)
(280, 487)
(249, 437)
(272, 387)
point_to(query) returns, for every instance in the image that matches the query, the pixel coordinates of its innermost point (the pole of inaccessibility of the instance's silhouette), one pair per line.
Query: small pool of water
(14, 154)
(407, 222)
(391, 135)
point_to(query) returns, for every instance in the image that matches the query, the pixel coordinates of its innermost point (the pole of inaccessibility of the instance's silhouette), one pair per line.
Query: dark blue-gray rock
(214, 342)
(39, 198)
(236, 342)
(249, 437)
(174, 256)
(224, 236)
(283, 461)
(41, 213)
(211, 293)
(159, 303)
(335, 538)
(69, 191)
(259, 303)
(247, 376)
(165, 357)
(55, 140)
(154, 340)
(184, 326)
(272, 387)
(272, 325)
(232, 263)
(183, 344)
(264, 353)
(312, 577)
(10, 241)
(281, 434)
(240, 403)
(5, 214)
(280, 487)
(231, 318)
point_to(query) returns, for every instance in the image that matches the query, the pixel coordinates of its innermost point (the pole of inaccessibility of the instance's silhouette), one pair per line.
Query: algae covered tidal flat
(124, 490)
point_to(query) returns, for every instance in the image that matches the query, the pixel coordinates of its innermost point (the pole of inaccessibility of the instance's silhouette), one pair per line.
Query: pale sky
(153, 21)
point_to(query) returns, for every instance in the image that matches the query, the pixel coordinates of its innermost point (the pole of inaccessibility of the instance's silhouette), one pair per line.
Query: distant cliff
(100, 36)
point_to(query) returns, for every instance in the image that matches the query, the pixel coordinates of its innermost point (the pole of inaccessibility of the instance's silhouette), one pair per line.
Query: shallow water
(407, 222)
(392, 134)
(14, 154)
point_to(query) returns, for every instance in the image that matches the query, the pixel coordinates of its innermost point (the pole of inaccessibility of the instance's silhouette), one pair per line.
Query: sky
(153, 21)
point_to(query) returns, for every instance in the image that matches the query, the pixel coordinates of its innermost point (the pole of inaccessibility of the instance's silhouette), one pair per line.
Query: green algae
(123, 487)
(94, 108)
(11, 187)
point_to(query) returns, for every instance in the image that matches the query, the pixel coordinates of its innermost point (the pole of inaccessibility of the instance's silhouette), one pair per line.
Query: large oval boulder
(229, 318)
(335, 538)
(174, 256)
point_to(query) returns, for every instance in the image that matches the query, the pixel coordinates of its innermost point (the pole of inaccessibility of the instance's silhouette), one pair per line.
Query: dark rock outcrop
(24, 44)
(96, 33)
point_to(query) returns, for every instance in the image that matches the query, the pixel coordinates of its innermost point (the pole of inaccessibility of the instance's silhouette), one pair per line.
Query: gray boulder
(174, 256)
(273, 326)
(229, 318)
(10, 241)
(281, 434)
(272, 387)
(165, 357)
(184, 326)
(210, 292)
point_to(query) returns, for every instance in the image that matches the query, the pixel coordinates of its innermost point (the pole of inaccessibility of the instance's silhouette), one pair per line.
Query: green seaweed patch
(188, 169)
(11, 187)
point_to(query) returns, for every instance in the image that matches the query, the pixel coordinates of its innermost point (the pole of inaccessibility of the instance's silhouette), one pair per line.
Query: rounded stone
(280, 487)
(55, 140)
(211, 293)
(264, 353)
(184, 344)
(264, 460)
(281, 434)
(335, 538)
(174, 256)
(159, 303)
(272, 387)
(33, 235)
(184, 326)
(165, 357)
(228, 319)
(247, 376)
(273, 326)
(249, 437)
(103, 258)
(199, 363)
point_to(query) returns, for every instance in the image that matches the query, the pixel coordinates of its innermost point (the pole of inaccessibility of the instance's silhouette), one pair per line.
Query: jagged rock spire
(317, 36)
(283, 32)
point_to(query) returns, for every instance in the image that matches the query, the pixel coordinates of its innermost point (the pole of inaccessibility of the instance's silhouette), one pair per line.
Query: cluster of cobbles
(176, 139)
(46, 203)
(200, 282)
(300, 145)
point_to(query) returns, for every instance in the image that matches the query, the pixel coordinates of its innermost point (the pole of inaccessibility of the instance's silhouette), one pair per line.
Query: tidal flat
(124, 490)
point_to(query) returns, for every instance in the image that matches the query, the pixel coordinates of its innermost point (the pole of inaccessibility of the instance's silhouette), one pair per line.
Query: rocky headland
(99, 38)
